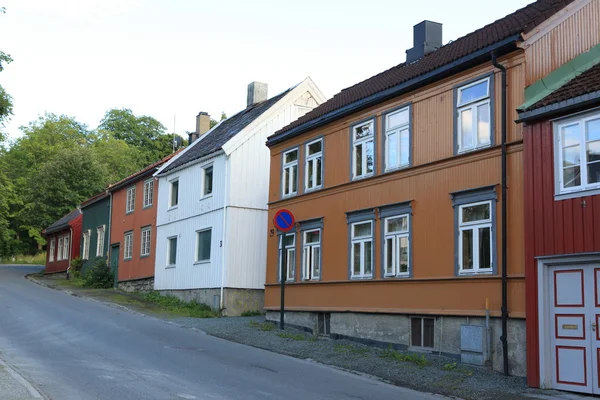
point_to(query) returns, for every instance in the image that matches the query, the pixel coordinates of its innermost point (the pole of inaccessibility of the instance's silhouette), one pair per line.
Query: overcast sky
(179, 57)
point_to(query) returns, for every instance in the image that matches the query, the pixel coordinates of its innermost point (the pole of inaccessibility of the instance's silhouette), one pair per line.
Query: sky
(173, 59)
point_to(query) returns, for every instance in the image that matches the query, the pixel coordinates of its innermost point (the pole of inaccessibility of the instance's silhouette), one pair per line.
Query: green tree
(6, 103)
(118, 158)
(214, 122)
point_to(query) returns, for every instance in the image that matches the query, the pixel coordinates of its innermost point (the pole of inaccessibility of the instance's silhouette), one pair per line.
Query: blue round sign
(284, 220)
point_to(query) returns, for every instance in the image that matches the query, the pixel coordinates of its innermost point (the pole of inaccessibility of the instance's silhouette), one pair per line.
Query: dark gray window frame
(304, 153)
(492, 111)
(468, 196)
(279, 238)
(361, 122)
(171, 183)
(410, 137)
(282, 162)
(204, 167)
(365, 215)
(309, 225)
(130, 232)
(198, 232)
(390, 211)
(176, 237)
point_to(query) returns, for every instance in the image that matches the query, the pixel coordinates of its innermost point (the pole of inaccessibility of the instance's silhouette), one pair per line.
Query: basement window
(324, 323)
(422, 332)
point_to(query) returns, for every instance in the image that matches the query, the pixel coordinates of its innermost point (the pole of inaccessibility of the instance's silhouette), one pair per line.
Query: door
(574, 319)
(114, 262)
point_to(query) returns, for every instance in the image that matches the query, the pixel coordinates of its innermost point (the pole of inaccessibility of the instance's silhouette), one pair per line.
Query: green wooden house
(95, 229)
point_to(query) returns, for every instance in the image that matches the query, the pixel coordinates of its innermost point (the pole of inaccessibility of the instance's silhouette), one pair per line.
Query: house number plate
(570, 327)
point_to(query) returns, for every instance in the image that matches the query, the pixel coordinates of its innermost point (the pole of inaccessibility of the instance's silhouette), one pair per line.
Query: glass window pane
(593, 151)
(208, 180)
(571, 135)
(428, 332)
(415, 332)
(291, 261)
(312, 237)
(404, 147)
(363, 131)
(593, 171)
(467, 249)
(356, 258)
(314, 147)
(286, 181)
(309, 174)
(316, 262)
(363, 229)
(392, 150)
(593, 129)
(476, 213)
(319, 172)
(389, 256)
(291, 156)
(289, 240)
(397, 224)
(368, 258)
(403, 255)
(396, 119)
(485, 256)
(370, 156)
(571, 156)
(204, 245)
(474, 92)
(572, 177)
(293, 177)
(483, 124)
(172, 251)
(358, 151)
(466, 129)
(174, 193)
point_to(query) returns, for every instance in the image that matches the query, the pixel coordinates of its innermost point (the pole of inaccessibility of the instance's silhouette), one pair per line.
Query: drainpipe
(223, 233)
(70, 249)
(504, 308)
(116, 278)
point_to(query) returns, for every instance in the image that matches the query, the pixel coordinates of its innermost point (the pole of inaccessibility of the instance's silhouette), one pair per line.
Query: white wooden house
(212, 205)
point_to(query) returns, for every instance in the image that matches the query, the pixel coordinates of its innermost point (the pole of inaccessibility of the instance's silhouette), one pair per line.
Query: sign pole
(283, 278)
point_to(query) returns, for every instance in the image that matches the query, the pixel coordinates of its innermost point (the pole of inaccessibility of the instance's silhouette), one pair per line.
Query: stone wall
(137, 285)
(236, 301)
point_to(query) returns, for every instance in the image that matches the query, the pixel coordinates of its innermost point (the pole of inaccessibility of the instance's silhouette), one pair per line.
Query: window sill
(144, 255)
(201, 262)
(287, 196)
(148, 206)
(405, 166)
(485, 146)
(129, 212)
(405, 276)
(307, 190)
(127, 259)
(474, 273)
(206, 196)
(170, 266)
(172, 208)
(358, 178)
(361, 278)
(577, 193)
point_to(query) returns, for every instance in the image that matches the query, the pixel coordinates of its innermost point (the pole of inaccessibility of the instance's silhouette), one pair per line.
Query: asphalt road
(72, 348)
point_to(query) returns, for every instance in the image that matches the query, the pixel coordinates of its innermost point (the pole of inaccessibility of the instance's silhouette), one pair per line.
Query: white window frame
(100, 231)
(361, 240)
(86, 245)
(293, 177)
(196, 259)
(363, 141)
(204, 168)
(128, 245)
(169, 265)
(475, 226)
(396, 237)
(473, 104)
(130, 200)
(66, 247)
(59, 249)
(291, 258)
(52, 249)
(308, 256)
(397, 130)
(312, 159)
(584, 187)
(148, 193)
(145, 241)
(171, 184)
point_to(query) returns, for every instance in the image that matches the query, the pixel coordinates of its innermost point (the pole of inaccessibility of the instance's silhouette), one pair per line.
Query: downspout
(504, 308)
(223, 233)
(70, 249)
(116, 278)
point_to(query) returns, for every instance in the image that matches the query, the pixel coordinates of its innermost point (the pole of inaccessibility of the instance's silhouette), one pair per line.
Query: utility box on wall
(473, 347)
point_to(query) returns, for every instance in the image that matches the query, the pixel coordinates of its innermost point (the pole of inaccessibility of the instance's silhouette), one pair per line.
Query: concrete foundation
(137, 285)
(235, 301)
(383, 330)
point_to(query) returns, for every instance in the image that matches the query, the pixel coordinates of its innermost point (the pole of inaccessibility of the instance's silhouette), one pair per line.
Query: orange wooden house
(407, 190)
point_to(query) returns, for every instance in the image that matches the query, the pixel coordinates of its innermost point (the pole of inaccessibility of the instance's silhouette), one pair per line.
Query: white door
(574, 319)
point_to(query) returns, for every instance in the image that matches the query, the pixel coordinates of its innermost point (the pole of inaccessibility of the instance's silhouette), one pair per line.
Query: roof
(510, 27)
(95, 198)
(213, 141)
(141, 173)
(583, 90)
(63, 222)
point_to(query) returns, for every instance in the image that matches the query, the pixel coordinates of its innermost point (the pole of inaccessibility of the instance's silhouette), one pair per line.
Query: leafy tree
(6, 104)
(118, 158)
(214, 122)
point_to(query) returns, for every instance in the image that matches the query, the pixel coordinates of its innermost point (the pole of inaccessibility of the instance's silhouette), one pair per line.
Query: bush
(76, 266)
(99, 276)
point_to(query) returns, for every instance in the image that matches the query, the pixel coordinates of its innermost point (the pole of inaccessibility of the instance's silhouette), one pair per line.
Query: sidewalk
(14, 387)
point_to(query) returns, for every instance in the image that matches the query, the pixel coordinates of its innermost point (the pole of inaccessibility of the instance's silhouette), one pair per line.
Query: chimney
(257, 92)
(202, 126)
(427, 37)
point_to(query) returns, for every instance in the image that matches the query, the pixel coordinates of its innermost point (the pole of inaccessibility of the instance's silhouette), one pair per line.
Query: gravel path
(424, 372)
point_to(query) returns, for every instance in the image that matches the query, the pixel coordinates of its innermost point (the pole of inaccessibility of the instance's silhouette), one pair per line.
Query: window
(313, 173)
(362, 249)
(363, 156)
(60, 249)
(422, 332)
(290, 248)
(52, 249)
(145, 245)
(203, 243)
(473, 113)
(208, 181)
(311, 256)
(578, 154)
(290, 173)
(130, 203)
(66, 247)
(148, 193)
(397, 245)
(86, 245)
(128, 246)
(475, 237)
(174, 194)
(397, 139)
(172, 251)
(100, 244)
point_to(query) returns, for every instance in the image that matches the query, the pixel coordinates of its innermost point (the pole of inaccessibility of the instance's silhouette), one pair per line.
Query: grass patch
(263, 326)
(175, 306)
(255, 313)
(37, 259)
(292, 336)
(348, 348)
(73, 282)
(391, 354)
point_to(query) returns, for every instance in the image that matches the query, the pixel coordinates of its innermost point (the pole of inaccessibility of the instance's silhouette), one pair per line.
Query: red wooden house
(63, 238)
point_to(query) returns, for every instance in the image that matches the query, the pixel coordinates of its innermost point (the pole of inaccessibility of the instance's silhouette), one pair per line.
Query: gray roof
(214, 140)
(63, 222)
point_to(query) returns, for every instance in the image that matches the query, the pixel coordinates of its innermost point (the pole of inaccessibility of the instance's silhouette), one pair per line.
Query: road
(72, 348)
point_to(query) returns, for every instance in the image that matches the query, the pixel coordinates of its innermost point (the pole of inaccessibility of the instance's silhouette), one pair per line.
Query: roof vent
(257, 92)
(427, 37)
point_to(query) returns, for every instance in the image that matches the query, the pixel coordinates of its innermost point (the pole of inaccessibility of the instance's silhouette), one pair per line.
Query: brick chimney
(202, 126)
(257, 92)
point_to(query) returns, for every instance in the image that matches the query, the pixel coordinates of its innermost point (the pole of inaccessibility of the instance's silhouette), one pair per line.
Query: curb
(33, 392)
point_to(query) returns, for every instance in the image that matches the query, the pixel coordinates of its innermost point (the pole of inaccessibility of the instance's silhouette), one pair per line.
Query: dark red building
(63, 239)
(562, 230)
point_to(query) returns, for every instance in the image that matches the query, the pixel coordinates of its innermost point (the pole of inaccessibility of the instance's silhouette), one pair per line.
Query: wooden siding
(95, 215)
(573, 36)
(62, 265)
